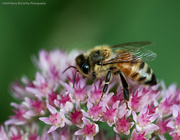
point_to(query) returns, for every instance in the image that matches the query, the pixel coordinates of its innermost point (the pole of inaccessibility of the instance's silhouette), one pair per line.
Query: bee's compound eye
(85, 68)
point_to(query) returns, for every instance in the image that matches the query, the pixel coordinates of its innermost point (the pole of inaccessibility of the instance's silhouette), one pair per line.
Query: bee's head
(82, 65)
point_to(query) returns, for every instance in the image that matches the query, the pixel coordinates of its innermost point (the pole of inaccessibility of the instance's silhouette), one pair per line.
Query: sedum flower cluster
(50, 108)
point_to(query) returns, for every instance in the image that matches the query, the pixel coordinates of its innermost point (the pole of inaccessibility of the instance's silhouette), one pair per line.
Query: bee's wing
(145, 54)
(134, 44)
(130, 54)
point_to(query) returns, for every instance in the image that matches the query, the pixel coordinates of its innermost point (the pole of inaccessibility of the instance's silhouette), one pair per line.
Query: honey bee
(128, 61)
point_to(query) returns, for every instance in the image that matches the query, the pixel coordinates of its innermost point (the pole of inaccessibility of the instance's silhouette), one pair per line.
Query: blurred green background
(25, 29)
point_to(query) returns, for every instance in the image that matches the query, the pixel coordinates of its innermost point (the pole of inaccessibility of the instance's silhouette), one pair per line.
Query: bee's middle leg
(125, 88)
(108, 77)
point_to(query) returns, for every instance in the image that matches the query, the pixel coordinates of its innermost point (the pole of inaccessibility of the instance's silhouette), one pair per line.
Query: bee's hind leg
(108, 77)
(125, 88)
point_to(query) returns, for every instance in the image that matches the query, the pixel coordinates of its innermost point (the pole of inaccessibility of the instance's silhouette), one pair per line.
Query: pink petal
(14, 121)
(3, 135)
(8, 122)
(51, 108)
(175, 111)
(151, 128)
(62, 124)
(115, 130)
(97, 128)
(69, 106)
(132, 123)
(138, 128)
(171, 124)
(26, 105)
(56, 102)
(89, 138)
(117, 137)
(43, 61)
(32, 90)
(144, 110)
(110, 123)
(134, 116)
(108, 97)
(79, 132)
(89, 104)
(20, 122)
(127, 132)
(172, 88)
(39, 79)
(68, 87)
(86, 121)
(162, 137)
(123, 111)
(30, 113)
(45, 120)
(14, 105)
(116, 104)
(52, 128)
(154, 117)
(67, 121)
(27, 100)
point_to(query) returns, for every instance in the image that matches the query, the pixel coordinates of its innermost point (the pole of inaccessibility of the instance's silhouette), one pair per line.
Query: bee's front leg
(108, 77)
(125, 89)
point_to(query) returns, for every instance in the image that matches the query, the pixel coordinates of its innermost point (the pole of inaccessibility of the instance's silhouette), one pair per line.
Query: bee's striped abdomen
(139, 72)
(152, 80)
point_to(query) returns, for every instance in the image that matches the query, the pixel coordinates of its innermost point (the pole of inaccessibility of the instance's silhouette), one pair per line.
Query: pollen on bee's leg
(102, 96)
(127, 105)
(126, 97)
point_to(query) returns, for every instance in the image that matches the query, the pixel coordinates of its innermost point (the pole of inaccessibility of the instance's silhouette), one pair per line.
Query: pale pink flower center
(115, 98)
(52, 97)
(76, 117)
(43, 86)
(143, 119)
(110, 114)
(54, 72)
(16, 137)
(55, 119)
(80, 93)
(135, 101)
(38, 106)
(19, 114)
(175, 136)
(96, 94)
(151, 109)
(95, 111)
(139, 136)
(33, 136)
(65, 99)
(165, 106)
(123, 125)
(163, 129)
(89, 129)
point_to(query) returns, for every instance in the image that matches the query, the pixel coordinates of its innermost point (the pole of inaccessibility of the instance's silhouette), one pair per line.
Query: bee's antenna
(68, 68)
(75, 78)
(74, 75)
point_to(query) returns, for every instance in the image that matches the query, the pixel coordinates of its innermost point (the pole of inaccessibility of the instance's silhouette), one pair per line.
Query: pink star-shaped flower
(89, 129)
(56, 119)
